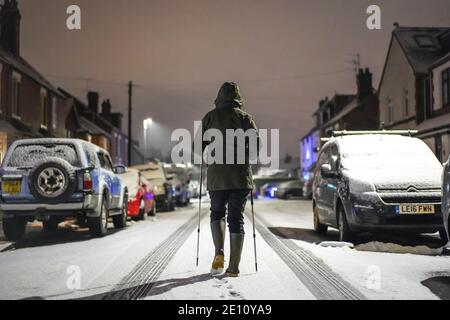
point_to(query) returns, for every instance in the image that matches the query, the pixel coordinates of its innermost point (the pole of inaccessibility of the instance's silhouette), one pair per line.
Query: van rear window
(29, 155)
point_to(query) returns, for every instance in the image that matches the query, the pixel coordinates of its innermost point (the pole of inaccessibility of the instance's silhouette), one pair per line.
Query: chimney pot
(93, 98)
(10, 27)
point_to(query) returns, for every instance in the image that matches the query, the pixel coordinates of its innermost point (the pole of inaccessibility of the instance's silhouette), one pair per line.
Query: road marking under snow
(137, 284)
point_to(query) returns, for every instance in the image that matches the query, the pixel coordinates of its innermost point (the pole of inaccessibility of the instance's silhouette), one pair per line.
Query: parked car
(162, 188)
(180, 182)
(50, 180)
(307, 189)
(290, 189)
(377, 182)
(141, 202)
(181, 193)
(446, 197)
(269, 189)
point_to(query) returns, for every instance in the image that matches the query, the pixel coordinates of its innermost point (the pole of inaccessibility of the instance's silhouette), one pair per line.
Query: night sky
(285, 54)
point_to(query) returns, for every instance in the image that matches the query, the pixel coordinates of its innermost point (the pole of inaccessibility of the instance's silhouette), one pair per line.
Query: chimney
(10, 27)
(116, 120)
(93, 101)
(364, 83)
(106, 110)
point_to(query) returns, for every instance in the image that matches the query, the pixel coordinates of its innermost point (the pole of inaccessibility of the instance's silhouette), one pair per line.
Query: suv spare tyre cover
(52, 180)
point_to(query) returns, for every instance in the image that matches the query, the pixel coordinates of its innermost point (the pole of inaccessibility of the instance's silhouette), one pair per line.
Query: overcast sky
(286, 54)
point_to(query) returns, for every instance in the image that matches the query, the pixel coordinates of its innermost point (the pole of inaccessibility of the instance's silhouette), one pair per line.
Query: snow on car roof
(379, 143)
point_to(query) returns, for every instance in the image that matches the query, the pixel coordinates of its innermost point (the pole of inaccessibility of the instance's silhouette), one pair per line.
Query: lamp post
(147, 123)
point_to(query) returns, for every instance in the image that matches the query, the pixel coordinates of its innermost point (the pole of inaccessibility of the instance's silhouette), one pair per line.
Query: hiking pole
(199, 209)
(254, 231)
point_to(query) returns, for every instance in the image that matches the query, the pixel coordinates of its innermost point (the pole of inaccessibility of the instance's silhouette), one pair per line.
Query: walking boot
(236, 245)
(218, 235)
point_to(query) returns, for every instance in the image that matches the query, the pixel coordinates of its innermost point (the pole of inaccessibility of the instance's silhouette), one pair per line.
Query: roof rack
(387, 132)
(344, 133)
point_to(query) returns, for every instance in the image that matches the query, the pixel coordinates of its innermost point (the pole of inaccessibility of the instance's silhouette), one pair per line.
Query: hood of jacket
(229, 96)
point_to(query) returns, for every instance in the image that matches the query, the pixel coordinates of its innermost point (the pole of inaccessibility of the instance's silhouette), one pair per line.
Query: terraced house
(342, 112)
(414, 87)
(30, 106)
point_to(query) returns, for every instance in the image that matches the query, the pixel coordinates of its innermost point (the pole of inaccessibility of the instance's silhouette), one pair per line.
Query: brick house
(101, 127)
(414, 89)
(30, 106)
(358, 111)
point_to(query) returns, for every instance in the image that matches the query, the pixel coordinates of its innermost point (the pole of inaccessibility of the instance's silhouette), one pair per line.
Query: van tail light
(87, 182)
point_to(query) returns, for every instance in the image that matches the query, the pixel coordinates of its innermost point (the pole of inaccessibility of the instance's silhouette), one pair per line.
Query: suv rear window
(29, 155)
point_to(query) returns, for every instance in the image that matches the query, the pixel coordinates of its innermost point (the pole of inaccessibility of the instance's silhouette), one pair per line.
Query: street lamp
(147, 124)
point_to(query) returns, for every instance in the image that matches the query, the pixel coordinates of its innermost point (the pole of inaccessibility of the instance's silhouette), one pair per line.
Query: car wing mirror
(120, 169)
(327, 172)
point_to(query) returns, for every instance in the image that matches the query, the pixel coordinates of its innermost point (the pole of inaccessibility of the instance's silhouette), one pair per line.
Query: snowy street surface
(155, 259)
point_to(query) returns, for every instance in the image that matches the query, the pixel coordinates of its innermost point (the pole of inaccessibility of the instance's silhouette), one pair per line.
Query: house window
(406, 103)
(446, 88)
(118, 149)
(428, 98)
(390, 111)
(44, 108)
(15, 94)
(54, 114)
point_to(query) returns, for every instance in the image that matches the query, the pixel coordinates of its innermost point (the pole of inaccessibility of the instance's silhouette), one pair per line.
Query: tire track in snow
(320, 280)
(138, 283)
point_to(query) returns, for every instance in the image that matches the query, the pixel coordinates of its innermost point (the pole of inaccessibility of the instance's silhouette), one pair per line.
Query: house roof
(441, 61)
(92, 128)
(22, 66)
(421, 57)
(352, 105)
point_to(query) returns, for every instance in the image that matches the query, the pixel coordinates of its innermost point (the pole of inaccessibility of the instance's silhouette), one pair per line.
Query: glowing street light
(147, 124)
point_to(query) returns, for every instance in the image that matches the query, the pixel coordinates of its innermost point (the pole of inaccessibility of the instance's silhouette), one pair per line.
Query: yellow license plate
(417, 209)
(11, 187)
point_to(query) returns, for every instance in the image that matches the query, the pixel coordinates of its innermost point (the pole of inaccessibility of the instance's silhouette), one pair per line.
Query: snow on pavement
(183, 280)
(378, 275)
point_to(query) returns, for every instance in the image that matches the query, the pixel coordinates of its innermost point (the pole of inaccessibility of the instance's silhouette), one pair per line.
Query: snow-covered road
(156, 260)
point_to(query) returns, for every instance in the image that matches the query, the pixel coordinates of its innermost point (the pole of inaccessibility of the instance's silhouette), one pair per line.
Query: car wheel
(50, 226)
(98, 226)
(142, 213)
(318, 227)
(120, 220)
(14, 228)
(345, 234)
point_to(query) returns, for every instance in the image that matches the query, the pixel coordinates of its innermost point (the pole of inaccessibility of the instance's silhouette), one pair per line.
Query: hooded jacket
(229, 114)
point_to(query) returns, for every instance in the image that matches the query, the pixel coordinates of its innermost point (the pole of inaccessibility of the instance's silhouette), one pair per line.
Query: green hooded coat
(229, 114)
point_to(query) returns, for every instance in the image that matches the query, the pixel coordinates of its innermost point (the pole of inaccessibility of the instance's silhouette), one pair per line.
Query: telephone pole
(130, 121)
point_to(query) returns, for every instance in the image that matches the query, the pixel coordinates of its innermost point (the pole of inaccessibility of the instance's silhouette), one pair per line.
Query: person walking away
(229, 184)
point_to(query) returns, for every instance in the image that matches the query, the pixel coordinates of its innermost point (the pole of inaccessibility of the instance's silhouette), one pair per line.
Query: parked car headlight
(358, 187)
(159, 190)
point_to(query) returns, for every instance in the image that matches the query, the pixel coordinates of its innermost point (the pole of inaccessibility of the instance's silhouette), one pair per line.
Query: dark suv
(377, 182)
